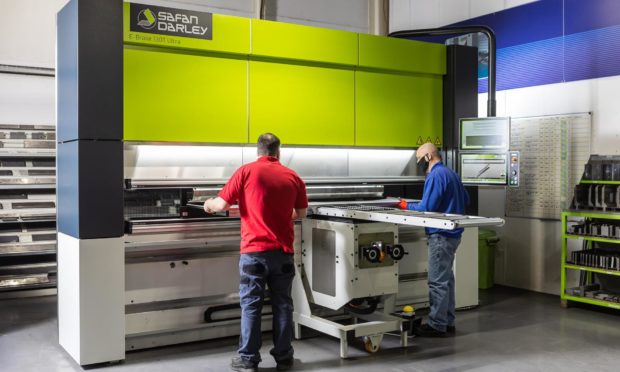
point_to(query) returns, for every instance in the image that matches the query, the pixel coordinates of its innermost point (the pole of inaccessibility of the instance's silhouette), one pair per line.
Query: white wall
(418, 14)
(28, 32)
(350, 15)
(528, 255)
(529, 250)
(26, 99)
(27, 38)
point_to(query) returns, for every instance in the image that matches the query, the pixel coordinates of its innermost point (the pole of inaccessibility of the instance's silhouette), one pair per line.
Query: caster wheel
(370, 346)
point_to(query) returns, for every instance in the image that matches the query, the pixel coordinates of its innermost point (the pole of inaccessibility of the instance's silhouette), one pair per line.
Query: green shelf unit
(592, 301)
(593, 239)
(568, 266)
(592, 269)
(593, 214)
(590, 182)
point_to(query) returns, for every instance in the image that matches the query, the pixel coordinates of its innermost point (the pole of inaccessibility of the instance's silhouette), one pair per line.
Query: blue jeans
(257, 270)
(441, 251)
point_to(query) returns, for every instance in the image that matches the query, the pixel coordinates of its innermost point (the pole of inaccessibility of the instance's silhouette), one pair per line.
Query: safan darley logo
(169, 21)
(146, 19)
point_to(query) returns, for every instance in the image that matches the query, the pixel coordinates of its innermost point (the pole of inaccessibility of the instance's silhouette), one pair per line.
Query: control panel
(513, 169)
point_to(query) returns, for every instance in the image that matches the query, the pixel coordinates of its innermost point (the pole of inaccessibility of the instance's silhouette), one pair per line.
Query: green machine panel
(397, 110)
(401, 55)
(229, 35)
(177, 97)
(290, 41)
(305, 105)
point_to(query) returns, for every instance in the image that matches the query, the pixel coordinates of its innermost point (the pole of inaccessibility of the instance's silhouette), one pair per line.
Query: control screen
(484, 168)
(485, 134)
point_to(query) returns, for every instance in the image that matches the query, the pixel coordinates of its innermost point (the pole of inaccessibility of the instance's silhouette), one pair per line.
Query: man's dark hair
(268, 145)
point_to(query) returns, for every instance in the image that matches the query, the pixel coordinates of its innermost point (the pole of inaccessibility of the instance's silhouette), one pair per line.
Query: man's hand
(402, 204)
(215, 205)
(206, 206)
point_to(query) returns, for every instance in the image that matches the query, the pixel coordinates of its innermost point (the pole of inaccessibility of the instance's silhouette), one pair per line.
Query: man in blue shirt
(443, 192)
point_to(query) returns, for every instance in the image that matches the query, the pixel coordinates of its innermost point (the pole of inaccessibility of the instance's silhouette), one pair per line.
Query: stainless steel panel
(26, 282)
(24, 249)
(180, 162)
(382, 163)
(163, 165)
(310, 162)
(205, 226)
(324, 261)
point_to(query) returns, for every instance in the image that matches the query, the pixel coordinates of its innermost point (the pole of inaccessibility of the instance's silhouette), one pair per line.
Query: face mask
(423, 164)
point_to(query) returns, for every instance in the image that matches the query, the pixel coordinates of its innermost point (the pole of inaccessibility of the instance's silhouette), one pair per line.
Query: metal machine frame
(343, 267)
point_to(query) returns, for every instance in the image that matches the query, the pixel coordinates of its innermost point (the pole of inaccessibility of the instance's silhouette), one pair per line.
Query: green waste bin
(487, 241)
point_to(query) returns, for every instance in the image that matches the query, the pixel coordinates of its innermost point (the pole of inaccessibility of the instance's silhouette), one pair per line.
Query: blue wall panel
(592, 54)
(552, 41)
(586, 15)
(535, 21)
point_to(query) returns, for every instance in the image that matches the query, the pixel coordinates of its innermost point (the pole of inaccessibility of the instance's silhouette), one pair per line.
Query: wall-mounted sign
(169, 21)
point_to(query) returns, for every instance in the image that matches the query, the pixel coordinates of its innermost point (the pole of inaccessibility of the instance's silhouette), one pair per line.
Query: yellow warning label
(429, 139)
(420, 141)
(437, 142)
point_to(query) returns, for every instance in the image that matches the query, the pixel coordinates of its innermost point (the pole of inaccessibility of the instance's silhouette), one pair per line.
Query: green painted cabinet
(184, 98)
(309, 85)
(388, 53)
(290, 41)
(397, 110)
(305, 105)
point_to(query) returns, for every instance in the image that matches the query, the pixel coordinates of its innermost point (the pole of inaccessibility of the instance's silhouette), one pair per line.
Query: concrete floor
(512, 330)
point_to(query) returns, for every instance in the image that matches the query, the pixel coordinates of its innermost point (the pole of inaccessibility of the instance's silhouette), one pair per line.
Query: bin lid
(485, 234)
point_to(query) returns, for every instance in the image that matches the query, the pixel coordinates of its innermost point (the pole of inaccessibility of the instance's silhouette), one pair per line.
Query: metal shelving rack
(27, 207)
(588, 270)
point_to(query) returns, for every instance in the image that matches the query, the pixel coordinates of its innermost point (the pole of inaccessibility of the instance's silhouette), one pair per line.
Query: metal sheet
(406, 217)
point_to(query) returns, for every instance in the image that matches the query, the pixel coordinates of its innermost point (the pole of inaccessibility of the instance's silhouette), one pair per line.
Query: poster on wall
(553, 150)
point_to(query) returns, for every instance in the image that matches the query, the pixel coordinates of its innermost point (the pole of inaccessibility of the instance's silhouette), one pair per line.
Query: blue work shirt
(443, 192)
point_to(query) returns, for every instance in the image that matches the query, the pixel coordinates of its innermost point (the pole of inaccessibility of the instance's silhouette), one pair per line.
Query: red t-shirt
(267, 193)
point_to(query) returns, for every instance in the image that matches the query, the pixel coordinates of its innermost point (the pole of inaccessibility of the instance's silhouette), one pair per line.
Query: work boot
(242, 365)
(451, 329)
(426, 330)
(284, 365)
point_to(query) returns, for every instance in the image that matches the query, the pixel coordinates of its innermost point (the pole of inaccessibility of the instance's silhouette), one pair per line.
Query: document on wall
(554, 150)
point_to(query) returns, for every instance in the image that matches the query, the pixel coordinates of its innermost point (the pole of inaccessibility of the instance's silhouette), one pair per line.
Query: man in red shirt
(270, 197)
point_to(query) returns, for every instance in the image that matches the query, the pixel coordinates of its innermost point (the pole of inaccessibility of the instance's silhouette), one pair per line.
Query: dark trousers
(441, 252)
(276, 270)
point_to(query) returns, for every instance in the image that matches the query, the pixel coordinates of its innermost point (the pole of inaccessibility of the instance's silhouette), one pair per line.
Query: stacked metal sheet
(27, 206)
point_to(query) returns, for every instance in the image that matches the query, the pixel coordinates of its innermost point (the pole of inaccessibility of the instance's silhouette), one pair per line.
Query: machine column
(91, 259)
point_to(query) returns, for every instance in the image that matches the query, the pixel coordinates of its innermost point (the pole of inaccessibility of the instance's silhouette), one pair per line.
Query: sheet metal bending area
(179, 109)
